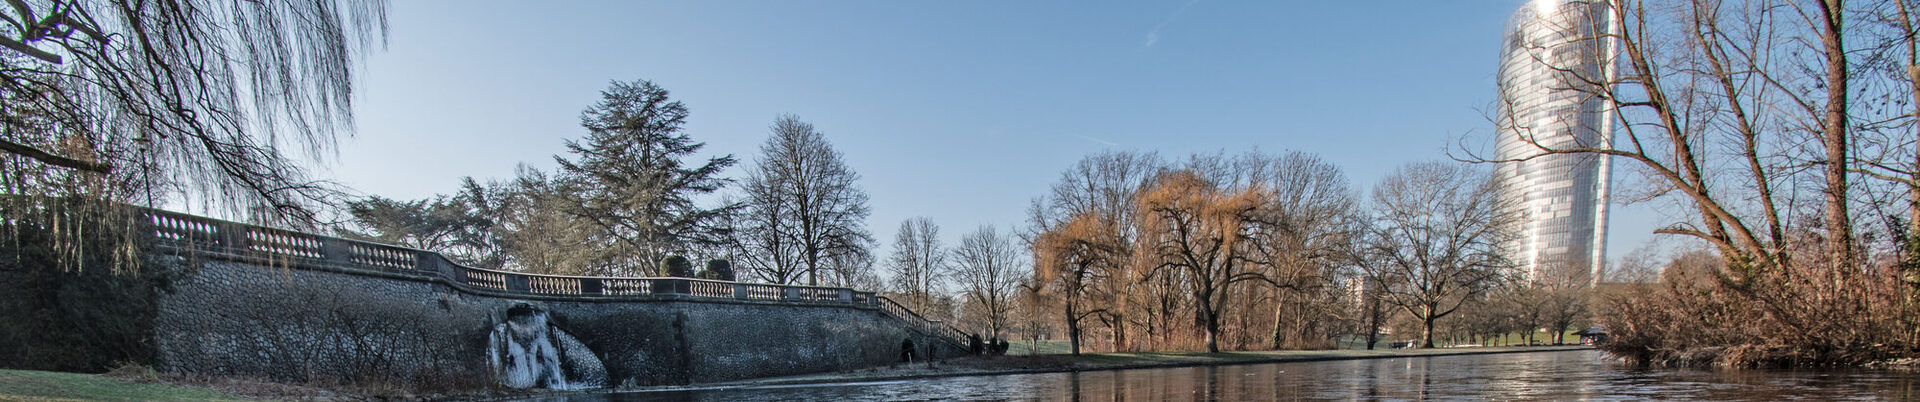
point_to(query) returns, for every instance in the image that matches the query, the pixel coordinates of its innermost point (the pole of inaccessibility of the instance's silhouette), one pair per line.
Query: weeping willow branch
(217, 100)
(51, 159)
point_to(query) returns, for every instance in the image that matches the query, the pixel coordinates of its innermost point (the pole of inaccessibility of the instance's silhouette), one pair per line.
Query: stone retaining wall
(245, 300)
(293, 324)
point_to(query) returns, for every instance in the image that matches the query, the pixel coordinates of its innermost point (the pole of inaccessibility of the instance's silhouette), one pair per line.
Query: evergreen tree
(629, 179)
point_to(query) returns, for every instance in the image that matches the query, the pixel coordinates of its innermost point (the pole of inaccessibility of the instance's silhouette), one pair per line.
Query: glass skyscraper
(1549, 59)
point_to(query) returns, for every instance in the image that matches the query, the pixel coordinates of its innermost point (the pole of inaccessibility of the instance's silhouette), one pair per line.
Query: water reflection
(1574, 375)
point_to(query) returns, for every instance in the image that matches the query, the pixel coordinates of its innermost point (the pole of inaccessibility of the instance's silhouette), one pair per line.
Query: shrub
(718, 269)
(677, 266)
(1705, 313)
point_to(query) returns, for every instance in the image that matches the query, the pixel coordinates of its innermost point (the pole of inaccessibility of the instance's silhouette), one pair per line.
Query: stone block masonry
(290, 306)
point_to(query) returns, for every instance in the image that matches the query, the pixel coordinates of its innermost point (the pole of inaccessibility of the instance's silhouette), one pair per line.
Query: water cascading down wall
(262, 302)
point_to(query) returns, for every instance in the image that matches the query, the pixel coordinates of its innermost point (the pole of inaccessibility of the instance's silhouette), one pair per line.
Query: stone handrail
(922, 323)
(203, 236)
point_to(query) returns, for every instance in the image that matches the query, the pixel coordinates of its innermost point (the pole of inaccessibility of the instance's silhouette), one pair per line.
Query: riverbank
(1029, 364)
(136, 383)
(26, 385)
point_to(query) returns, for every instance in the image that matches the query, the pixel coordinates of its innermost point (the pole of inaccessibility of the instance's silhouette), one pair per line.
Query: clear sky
(960, 111)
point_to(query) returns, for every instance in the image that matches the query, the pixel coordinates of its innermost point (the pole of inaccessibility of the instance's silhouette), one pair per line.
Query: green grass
(1545, 338)
(1047, 347)
(20, 385)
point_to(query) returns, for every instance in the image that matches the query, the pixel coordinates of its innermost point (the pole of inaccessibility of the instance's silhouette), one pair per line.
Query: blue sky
(958, 111)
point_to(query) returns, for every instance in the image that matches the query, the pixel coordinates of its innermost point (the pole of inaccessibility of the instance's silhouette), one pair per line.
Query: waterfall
(527, 351)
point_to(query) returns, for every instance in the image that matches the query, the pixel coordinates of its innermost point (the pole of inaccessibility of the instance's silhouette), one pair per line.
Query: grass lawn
(20, 385)
(1047, 347)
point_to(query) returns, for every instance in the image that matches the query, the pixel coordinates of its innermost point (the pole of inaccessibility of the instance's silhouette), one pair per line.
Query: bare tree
(536, 233)
(1566, 290)
(765, 249)
(1032, 314)
(919, 263)
(1642, 265)
(1436, 239)
(1374, 311)
(988, 265)
(1289, 242)
(1768, 81)
(1105, 187)
(853, 270)
(803, 208)
(1305, 227)
(1759, 117)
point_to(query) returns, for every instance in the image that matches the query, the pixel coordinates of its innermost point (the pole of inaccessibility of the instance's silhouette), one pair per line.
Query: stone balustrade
(202, 237)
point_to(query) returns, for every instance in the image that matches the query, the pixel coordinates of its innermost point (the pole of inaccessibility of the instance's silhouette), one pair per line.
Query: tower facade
(1552, 57)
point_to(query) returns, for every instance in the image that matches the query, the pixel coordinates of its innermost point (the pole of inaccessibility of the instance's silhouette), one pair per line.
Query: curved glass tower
(1550, 58)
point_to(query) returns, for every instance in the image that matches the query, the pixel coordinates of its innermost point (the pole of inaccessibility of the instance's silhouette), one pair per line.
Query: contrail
(1153, 36)
(1108, 143)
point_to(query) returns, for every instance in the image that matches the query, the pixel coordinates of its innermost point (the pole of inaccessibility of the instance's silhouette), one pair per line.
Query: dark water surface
(1568, 375)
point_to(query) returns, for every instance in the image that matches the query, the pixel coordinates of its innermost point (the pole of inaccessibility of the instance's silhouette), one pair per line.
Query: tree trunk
(1839, 225)
(1212, 325)
(1278, 321)
(1427, 330)
(1374, 314)
(1073, 328)
(1033, 347)
(1913, 185)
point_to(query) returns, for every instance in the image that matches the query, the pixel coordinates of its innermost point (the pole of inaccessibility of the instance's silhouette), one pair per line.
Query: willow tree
(1192, 225)
(197, 102)
(1070, 257)
(155, 103)
(1105, 187)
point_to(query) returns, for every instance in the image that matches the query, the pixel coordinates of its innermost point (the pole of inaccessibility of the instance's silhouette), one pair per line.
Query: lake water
(1565, 375)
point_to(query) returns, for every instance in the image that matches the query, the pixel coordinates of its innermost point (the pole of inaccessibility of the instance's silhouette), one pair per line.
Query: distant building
(1565, 196)
(1358, 289)
(1593, 335)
